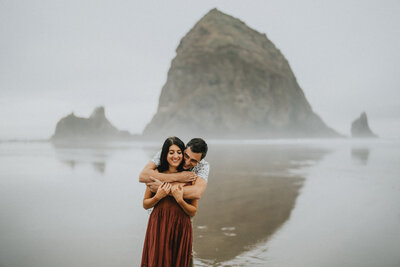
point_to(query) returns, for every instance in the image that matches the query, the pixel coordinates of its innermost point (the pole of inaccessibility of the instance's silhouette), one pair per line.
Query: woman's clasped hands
(163, 190)
(177, 192)
(166, 189)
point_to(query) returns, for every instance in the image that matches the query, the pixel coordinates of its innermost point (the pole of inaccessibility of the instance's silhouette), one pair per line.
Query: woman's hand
(163, 190)
(177, 192)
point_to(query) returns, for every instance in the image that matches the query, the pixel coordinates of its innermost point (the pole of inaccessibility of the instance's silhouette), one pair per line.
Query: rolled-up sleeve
(202, 169)
(156, 158)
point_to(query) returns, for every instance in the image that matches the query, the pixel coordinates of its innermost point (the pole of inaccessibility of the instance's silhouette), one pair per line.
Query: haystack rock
(229, 81)
(95, 128)
(360, 127)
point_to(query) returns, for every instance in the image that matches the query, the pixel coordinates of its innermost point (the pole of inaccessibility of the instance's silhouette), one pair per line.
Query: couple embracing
(175, 179)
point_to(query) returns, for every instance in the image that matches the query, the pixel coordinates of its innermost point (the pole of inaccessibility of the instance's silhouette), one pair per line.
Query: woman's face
(174, 156)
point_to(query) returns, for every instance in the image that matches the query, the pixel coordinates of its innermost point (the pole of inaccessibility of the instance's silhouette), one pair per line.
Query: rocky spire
(98, 113)
(95, 128)
(228, 80)
(360, 127)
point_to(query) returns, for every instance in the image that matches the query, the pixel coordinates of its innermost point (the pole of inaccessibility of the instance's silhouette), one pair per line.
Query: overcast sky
(62, 56)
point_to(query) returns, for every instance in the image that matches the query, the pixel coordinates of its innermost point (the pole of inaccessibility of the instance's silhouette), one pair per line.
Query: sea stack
(360, 127)
(230, 81)
(96, 128)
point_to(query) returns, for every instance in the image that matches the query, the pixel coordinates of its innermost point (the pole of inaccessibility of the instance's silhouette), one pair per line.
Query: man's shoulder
(156, 158)
(203, 162)
(202, 169)
(202, 165)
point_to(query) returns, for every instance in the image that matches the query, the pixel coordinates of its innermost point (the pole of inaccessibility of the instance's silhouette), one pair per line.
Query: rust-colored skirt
(169, 236)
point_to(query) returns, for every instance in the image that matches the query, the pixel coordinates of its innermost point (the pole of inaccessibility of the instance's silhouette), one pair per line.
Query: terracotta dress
(169, 236)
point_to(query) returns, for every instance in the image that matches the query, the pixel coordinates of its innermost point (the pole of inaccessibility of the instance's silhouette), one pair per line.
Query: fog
(62, 56)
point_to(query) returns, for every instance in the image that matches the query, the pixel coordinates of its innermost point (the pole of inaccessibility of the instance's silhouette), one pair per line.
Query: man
(196, 171)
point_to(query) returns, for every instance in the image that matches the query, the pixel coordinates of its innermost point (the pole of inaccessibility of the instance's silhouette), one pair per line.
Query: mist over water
(268, 202)
(59, 57)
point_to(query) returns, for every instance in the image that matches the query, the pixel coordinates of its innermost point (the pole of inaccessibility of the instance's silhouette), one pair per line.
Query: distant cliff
(96, 128)
(360, 127)
(229, 81)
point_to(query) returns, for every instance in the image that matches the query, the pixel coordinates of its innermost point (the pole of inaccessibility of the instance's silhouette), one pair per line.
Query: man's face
(191, 158)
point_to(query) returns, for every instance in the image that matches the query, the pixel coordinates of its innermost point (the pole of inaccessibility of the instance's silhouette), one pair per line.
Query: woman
(168, 239)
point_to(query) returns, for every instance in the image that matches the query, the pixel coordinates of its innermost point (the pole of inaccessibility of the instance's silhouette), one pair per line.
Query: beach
(268, 203)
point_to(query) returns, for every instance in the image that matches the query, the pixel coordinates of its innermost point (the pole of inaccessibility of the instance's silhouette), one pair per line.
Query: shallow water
(274, 203)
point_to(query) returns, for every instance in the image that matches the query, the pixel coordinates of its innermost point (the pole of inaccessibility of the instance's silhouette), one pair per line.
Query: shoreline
(275, 141)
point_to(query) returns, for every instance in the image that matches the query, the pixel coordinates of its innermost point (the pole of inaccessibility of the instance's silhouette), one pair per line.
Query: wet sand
(268, 203)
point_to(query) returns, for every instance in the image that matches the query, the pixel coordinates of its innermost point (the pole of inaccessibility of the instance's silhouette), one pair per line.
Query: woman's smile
(174, 156)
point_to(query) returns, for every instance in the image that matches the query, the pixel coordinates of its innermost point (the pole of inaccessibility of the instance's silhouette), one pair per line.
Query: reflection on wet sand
(251, 193)
(70, 157)
(70, 163)
(99, 166)
(360, 154)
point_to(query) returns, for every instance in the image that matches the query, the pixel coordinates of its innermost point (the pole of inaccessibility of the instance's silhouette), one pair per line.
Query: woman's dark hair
(164, 165)
(198, 145)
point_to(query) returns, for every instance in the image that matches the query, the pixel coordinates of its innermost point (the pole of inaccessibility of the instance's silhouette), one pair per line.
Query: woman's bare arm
(189, 208)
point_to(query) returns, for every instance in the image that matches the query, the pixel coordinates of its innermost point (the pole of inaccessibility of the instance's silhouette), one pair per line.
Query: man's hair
(198, 145)
(164, 165)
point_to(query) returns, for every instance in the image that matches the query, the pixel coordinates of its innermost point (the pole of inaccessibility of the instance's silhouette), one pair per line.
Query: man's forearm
(145, 175)
(195, 191)
(190, 192)
(150, 170)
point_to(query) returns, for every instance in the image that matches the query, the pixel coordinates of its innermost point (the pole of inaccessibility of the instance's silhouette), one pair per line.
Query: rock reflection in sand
(251, 192)
(73, 156)
(360, 154)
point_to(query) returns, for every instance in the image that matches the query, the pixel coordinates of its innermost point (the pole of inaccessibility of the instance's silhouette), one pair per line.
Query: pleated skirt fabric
(169, 237)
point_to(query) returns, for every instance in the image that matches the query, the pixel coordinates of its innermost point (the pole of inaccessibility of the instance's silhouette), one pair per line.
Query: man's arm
(150, 171)
(196, 190)
(192, 192)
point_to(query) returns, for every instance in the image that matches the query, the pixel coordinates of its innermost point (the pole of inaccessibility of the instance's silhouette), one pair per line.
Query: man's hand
(154, 184)
(187, 177)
